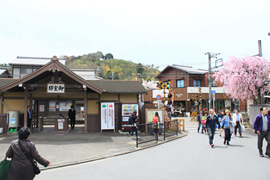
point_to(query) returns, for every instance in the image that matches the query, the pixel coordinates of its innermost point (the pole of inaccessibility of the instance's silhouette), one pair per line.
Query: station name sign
(55, 88)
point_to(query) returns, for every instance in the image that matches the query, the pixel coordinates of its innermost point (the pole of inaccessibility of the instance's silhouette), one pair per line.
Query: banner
(107, 116)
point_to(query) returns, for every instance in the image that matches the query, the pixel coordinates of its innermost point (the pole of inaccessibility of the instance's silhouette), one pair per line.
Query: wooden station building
(52, 88)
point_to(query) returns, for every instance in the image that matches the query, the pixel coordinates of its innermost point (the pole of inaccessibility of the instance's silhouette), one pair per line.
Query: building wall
(174, 75)
(13, 94)
(128, 98)
(14, 105)
(109, 97)
(93, 107)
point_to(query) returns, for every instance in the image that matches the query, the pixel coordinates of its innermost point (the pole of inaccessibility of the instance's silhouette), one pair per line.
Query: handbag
(4, 168)
(33, 162)
(243, 128)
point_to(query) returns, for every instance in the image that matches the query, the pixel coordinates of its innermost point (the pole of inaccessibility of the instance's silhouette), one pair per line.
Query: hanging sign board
(107, 116)
(55, 88)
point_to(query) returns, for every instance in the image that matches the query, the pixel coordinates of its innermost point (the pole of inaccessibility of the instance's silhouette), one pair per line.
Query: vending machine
(126, 111)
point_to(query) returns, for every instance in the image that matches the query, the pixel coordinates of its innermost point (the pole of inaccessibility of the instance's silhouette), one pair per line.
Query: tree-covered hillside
(107, 66)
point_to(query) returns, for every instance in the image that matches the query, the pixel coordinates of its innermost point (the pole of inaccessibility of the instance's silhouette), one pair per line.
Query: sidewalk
(63, 148)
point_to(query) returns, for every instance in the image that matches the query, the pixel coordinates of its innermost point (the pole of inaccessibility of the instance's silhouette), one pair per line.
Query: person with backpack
(133, 121)
(156, 121)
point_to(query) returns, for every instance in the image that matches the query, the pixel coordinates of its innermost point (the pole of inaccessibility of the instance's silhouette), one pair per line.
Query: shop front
(52, 89)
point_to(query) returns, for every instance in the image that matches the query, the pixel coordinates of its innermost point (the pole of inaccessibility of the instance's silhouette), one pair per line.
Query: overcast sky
(147, 31)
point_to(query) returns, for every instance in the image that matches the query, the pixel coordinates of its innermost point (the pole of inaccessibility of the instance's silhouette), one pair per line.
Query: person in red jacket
(156, 121)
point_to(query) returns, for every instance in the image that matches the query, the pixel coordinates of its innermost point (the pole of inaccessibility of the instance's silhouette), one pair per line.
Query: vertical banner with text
(107, 116)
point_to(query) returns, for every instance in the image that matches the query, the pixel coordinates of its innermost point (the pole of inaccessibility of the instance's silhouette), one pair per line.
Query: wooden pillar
(85, 112)
(25, 106)
(2, 105)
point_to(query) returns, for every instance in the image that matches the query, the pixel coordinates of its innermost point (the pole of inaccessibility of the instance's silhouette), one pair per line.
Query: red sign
(159, 97)
(110, 106)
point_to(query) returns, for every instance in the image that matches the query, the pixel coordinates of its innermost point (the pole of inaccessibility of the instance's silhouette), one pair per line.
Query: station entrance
(47, 112)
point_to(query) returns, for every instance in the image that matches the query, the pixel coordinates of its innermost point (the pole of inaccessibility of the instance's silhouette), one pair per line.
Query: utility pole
(209, 78)
(210, 55)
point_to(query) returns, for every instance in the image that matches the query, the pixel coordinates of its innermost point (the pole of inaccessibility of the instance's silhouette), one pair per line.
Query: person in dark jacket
(211, 122)
(199, 119)
(29, 117)
(262, 128)
(72, 116)
(21, 167)
(134, 123)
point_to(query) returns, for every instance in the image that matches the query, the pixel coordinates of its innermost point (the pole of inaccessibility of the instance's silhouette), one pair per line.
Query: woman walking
(227, 125)
(221, 129)
(21, 168)
(204, 119)
(156, 121)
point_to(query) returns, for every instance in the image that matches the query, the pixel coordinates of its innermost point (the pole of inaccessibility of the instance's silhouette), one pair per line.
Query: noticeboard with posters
(150, 113)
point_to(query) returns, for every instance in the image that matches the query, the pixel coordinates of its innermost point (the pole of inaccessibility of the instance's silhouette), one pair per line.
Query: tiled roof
(39, 61)
(190, 69)
(120, 86)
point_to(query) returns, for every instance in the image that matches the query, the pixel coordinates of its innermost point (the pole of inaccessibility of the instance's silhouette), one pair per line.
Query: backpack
(130, 120)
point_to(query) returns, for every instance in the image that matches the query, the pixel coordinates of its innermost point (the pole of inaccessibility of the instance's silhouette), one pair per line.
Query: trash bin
(13, 122)
(61, 124)
(161, 126)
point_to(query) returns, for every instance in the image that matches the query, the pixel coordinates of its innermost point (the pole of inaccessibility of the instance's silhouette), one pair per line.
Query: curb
(110, 156)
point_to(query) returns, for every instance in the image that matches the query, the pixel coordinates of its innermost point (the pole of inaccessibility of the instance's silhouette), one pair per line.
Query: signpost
(214, 97)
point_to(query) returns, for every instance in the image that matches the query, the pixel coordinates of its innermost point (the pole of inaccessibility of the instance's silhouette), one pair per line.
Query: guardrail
(166, 129)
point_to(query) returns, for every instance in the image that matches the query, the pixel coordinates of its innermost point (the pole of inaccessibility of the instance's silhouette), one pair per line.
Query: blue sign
(213, 91)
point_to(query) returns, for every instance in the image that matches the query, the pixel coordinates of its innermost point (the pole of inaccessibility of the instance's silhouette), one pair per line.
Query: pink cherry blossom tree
(245, 78)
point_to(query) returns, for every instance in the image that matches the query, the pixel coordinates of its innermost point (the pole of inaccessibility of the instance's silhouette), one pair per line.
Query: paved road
(186, 158)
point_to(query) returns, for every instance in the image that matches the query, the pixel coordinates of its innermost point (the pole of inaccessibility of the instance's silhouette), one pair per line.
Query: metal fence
(166, 129)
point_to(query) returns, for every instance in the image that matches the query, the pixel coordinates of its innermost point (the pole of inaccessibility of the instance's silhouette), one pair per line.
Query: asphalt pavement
(186, 158)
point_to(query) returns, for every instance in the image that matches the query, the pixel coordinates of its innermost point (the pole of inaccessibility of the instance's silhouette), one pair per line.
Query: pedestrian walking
(29, 117)
(262, 128)
(238, 120)
(199, 119)
(156, 121)
(72, 116)
(21, 168)
(134, 122)
(227, 124)
(211, 122)
(204, 119)
(221, 129)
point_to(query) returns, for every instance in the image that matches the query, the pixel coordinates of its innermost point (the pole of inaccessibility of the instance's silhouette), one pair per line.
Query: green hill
(106, 65)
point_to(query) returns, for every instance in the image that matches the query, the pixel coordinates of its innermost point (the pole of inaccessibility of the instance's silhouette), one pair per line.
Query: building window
(25, 71)
(196, 83)
(180, 83)
(16, 73)
(214, 83)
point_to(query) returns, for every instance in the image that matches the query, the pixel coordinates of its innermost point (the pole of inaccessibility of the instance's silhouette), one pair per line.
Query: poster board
(107, 116)
(52, 106)
(150, 113)
(65, 105)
